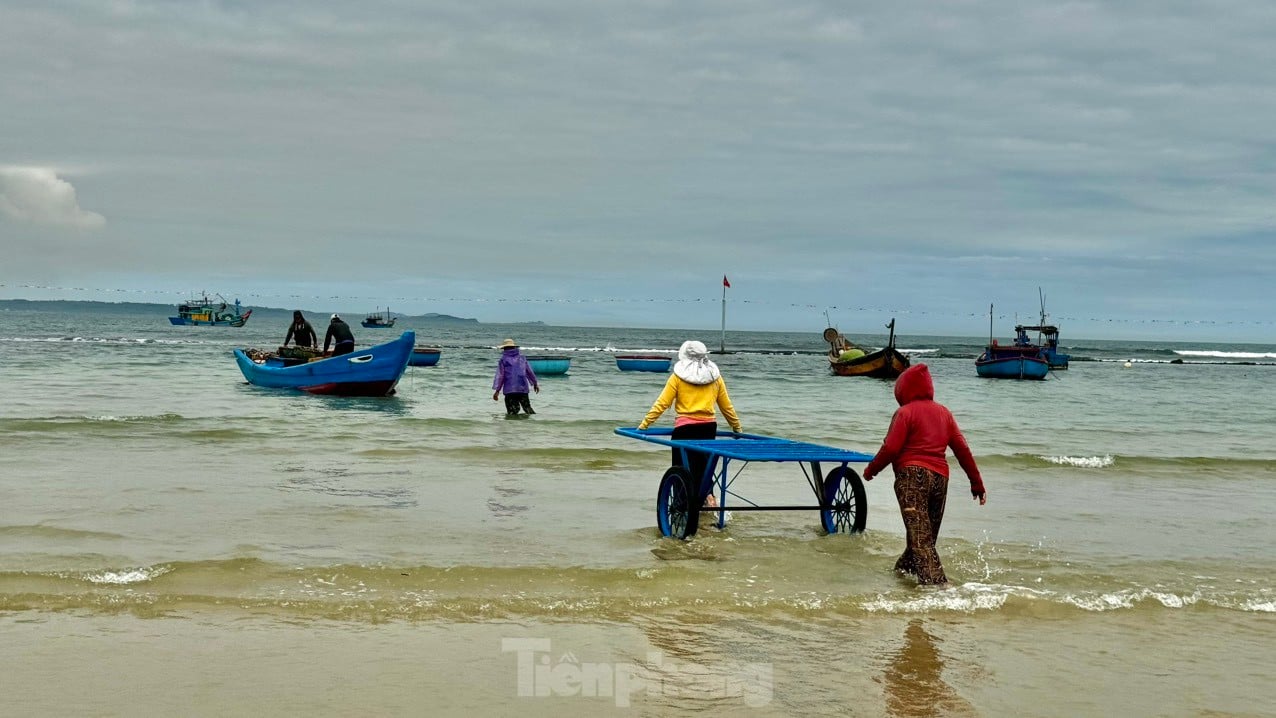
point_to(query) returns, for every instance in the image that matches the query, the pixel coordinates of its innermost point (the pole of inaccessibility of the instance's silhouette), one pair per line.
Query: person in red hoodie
(921, 431)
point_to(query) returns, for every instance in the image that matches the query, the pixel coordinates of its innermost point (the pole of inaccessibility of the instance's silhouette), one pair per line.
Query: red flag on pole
(725, 283)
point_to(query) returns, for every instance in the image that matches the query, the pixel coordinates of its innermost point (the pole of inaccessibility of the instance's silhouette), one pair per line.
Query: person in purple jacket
(513, 376)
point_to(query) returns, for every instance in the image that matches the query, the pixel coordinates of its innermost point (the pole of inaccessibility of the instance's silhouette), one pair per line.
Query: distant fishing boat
(1013, 361)
(207, 312)
(643, 362)
(368, 372)
(424, 356)
(846, 359)
(549, 365)
(1047, 338)
(376, 320)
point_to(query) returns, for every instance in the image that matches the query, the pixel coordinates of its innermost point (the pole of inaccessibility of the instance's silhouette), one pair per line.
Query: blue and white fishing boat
(1018, 360)
(209, 312)
(643, 362)
(368, 372)
(424, 356)
(550, 365)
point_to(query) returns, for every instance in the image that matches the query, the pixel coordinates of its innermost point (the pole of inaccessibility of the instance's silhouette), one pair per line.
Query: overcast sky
(590, 162)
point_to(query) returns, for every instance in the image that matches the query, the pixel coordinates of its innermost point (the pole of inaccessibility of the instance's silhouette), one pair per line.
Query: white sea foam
(972, 597)
(1130, 598)
(1224, 355)
(968, 598)
(112, 417)
(918, 351)
(127, 576)
(1081, 462)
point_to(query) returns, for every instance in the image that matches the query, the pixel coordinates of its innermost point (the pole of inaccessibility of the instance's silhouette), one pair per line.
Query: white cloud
(37, 195)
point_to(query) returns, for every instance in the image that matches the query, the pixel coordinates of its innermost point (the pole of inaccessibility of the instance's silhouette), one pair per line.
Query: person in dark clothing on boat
(301, 330)
(339, 332)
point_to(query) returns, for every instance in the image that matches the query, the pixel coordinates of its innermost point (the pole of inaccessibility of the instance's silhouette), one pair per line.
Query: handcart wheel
(848, 506)
(673, 504)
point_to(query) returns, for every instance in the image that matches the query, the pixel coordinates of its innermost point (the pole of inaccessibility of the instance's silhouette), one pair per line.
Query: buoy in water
(1127, 365)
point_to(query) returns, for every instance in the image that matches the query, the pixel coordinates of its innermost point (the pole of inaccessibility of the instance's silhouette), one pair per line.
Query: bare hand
(981, 498)
(536, 389)
(495, 394)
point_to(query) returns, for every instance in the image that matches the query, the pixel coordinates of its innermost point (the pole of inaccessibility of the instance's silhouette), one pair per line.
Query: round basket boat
(424, 356)
(550, 365)
(643, 362)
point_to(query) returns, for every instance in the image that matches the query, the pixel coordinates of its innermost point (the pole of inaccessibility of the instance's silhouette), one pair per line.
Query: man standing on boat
(301, 330)
(339, 331)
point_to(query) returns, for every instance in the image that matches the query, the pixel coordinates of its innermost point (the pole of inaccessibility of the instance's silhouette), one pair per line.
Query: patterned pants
(921, 494)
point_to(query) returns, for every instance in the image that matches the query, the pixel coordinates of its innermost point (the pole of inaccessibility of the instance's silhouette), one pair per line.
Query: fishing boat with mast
(210, 312)
(1047, 338)
(847, 359)
(377, 320)
(1013, 361)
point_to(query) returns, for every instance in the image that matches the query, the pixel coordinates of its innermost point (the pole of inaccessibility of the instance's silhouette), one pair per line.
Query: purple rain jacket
(513, 374)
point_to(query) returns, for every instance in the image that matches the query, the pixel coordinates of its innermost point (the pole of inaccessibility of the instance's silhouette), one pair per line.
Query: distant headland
(70, 305)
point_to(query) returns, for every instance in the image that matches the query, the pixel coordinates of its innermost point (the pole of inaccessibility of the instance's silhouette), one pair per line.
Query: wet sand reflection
(913, 679)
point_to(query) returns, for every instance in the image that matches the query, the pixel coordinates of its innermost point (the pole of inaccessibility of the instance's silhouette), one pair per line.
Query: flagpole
(724, 315)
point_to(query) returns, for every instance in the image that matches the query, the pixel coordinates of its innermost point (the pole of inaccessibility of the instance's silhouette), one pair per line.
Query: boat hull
(643, 363)
(424, 357)
(549, 365)
(1012, 367)
(884, 364)
(377, 325)
(368, 372)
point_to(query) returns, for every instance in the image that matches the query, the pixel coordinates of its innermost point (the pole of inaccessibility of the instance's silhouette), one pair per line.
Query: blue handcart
(843, 505)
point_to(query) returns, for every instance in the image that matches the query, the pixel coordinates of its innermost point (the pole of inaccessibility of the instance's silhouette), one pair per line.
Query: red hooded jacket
(921, 431)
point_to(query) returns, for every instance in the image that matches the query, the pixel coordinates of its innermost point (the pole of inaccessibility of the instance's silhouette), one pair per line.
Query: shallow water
(154, 505)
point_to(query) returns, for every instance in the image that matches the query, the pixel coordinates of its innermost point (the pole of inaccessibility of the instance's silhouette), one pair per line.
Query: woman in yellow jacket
(693, 389)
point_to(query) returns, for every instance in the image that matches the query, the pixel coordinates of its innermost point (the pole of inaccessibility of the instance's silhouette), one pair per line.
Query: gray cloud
(503, 146)
(37, 195)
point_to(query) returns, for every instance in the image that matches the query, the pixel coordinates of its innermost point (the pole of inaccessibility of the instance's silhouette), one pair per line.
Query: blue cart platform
(842, 503)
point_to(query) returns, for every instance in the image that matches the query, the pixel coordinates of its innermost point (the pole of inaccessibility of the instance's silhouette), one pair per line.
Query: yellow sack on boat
(850, 354)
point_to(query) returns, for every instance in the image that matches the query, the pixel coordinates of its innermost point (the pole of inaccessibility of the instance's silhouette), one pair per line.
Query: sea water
(176, 541)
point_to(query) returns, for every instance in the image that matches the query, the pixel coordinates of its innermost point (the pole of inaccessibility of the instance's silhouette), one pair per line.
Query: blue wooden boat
(377, 320)
(643, 362)
(208, 312)
(367, 372)
(1022, 366)
(1019, 360)
(424, 356)
(549, 365)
